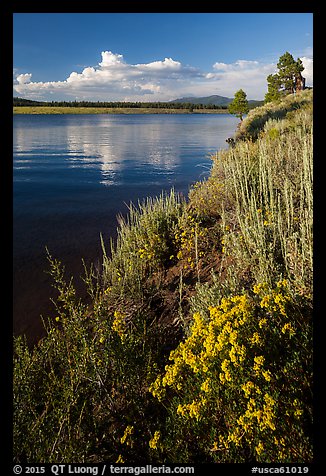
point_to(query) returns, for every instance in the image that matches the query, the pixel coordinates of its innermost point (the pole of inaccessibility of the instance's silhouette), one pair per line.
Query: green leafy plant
(233, 389)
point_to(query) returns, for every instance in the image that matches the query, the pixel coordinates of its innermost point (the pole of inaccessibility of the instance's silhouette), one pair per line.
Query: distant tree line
(117, 104)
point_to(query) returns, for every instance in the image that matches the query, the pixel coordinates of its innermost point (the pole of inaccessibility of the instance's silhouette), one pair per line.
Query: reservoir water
(74, 173)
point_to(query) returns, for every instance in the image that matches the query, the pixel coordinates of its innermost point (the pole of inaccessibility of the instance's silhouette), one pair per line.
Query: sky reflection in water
(73, 174)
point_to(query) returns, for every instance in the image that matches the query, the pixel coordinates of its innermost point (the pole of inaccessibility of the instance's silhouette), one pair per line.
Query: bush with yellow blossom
(238, 387)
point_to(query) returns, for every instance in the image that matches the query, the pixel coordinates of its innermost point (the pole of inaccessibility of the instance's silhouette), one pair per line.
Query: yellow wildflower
(247, 388)
(288, 328)
(262, 323)
(205, 387)
(298, 413)
(194, 409)
(259, 287)
(241, 352)
(233, 337)
(126, 437)
(233, 355)
(267, 420)
(251, 405)
(279, 298)
(269, 400)
(244, 423)
(228, 376)
(258, 362)
(282, 283)
(215, 446)
(157, 389)
(225, 304)
(255, 339)
(225, 364)
(227, 329)
(265, 302)
(154, 441)
(259, 448)
(267, 375)
(181, 410)
(209, 345)
(118, 324)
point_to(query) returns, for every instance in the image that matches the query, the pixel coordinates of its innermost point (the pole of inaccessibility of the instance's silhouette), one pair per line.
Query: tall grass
(266, 202)
(145, 243)
(273, 207)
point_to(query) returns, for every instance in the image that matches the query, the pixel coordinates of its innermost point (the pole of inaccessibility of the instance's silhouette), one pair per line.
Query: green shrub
(145, 243)
(77, 391)
(238, 389)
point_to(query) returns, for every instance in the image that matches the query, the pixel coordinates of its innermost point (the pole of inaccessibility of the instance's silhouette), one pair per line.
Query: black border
(6, 54)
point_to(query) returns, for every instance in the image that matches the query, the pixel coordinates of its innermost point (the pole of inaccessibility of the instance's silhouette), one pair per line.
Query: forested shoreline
(19, 102)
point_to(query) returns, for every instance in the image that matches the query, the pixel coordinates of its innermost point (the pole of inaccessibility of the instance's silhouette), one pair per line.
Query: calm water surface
(73, 174)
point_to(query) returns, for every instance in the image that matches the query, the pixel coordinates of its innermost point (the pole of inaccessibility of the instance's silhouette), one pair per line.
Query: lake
(74, 173)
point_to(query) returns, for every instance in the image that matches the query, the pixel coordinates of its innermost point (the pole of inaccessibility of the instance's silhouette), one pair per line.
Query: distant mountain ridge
(215, 100)
(25, 102)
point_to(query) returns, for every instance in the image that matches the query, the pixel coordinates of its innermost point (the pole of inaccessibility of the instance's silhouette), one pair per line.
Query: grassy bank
(109, 110)
(196, 342)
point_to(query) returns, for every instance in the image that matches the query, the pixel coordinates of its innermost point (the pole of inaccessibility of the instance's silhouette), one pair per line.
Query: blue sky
(154, 56)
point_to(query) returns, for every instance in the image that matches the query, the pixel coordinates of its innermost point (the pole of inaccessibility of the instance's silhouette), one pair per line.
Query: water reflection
(115, 147)
(73, 175)
(122, 149)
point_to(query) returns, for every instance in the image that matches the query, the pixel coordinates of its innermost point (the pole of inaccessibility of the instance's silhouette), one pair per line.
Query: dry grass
(108, 110)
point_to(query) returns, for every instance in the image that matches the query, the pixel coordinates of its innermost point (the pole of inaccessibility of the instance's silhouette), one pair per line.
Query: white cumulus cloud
(167, 64)
(24, 78)
(308, 70)
(249, 75)
(110, 59)
(113, 79)
(236, 66)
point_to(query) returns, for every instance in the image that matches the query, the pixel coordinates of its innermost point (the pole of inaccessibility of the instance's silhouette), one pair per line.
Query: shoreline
(109, 110)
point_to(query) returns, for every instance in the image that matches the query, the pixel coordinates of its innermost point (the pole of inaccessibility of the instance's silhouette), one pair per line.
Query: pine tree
(273, 85)
(239, 106)
(289, 70)
(287, 80)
